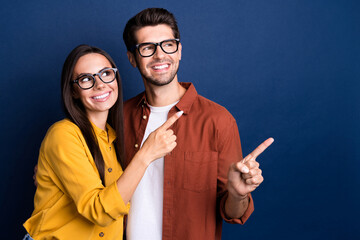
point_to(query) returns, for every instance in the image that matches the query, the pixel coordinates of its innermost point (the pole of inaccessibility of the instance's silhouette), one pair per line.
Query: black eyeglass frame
(93, 77)
(137, 46)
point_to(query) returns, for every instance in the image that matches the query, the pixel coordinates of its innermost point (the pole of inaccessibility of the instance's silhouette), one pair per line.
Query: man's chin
(158, 83)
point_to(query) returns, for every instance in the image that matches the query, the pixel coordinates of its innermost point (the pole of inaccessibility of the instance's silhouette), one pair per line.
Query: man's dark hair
(148, 17)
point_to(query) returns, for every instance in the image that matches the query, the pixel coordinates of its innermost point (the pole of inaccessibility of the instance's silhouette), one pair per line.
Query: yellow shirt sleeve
(73, 170)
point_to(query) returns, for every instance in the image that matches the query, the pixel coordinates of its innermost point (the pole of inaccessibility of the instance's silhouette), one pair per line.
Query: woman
(82, 191)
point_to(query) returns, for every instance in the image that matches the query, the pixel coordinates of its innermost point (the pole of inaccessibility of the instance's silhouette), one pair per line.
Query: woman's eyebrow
(83, 74)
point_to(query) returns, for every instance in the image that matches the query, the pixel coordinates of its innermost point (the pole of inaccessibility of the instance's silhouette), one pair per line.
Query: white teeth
(161, 66)
(101, 96)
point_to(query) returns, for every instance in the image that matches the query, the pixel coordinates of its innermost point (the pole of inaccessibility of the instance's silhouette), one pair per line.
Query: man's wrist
(242, 197)
(235, 195)
(235, 206)
(239, 197)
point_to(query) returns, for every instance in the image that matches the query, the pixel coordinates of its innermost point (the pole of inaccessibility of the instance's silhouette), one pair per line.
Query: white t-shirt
(146, 209)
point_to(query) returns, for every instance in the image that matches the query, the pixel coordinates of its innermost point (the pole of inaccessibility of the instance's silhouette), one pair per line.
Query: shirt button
(110, 169)
(101, 234)
(144, 117)
(136, 145)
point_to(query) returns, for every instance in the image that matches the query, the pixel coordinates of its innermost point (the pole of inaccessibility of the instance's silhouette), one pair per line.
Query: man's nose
(159, 53)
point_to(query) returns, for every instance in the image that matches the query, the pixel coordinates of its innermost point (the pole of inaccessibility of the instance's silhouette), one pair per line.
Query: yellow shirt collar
(103, 134)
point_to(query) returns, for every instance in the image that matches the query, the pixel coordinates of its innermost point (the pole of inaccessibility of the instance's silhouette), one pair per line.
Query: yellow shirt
(70, 201)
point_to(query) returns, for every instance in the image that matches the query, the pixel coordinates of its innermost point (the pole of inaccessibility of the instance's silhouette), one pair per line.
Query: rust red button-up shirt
(195, 173)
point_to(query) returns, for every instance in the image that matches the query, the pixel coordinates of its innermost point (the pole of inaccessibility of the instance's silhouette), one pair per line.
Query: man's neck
(159, 96)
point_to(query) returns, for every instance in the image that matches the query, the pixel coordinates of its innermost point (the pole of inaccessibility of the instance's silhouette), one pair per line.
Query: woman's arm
(158, 144)
(64, 163)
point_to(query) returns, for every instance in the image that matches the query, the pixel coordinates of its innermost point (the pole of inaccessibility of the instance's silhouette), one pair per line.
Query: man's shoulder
(133, 101)
(214, 109)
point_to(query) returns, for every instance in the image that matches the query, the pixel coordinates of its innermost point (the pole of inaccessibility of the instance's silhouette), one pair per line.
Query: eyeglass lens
(87, 81)
(168, 46)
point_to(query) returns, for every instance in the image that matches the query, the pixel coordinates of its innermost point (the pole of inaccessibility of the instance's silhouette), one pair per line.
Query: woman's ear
(75, 93)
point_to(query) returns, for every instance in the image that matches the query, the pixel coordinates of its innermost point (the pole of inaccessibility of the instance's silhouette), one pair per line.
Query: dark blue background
(288, 69)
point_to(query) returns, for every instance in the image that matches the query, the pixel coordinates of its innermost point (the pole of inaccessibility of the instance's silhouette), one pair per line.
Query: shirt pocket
(200, 171)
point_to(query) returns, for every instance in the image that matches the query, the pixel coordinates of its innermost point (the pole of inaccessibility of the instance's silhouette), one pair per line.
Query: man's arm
(243, 178)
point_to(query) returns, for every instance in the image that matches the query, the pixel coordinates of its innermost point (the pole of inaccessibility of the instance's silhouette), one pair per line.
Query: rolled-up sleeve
(243, 218)
(108, 197)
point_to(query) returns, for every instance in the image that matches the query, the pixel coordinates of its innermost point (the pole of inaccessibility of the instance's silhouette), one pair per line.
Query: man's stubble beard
(157, 82)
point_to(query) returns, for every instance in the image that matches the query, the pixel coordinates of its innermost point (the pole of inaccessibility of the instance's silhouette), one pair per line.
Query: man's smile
(160, 67)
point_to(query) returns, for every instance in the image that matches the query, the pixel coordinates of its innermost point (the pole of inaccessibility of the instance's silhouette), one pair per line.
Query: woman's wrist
(142, 158)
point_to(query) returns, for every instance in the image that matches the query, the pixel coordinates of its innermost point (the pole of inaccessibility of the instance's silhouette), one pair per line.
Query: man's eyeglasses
(87, 81)
(148, 49)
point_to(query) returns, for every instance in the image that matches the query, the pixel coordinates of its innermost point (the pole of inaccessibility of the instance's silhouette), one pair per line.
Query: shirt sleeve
(67, 154)
(229, 148)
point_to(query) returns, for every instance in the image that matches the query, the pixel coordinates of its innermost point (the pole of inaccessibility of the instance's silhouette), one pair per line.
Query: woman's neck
(98, 118)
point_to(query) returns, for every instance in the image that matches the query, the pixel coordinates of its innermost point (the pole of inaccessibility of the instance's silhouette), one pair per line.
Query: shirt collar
(103, 134)
(185, 102)
(188, 99)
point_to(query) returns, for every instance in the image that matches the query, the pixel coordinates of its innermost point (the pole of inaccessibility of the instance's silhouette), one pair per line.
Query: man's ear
(180, 49)
(131, 58)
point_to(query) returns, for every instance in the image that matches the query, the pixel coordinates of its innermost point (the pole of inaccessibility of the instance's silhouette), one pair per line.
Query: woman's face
(102, 96)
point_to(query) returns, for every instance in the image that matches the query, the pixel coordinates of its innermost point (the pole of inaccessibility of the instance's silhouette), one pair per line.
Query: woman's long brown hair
(75, 110)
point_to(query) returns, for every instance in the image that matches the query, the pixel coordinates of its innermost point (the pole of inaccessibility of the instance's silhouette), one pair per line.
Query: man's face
(161, 68)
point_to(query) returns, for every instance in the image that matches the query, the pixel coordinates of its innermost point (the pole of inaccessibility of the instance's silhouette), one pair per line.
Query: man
(186, 194)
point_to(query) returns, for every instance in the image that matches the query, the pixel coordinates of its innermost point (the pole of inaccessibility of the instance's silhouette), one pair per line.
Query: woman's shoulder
(64, 125)
(62, 138)
(62, 130)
